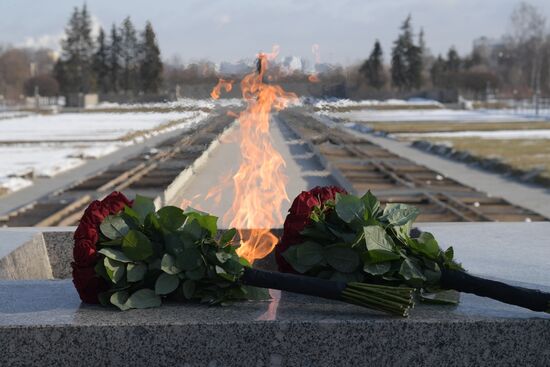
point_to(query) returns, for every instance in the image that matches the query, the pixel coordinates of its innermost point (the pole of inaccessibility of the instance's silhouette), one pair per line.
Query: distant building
(292, 64)
(237, 68)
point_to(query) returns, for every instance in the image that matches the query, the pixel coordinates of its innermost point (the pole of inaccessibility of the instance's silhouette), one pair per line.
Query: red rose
(88, 283)
(115, 202)
(95, 213)
(299, 218)
(86, 231)
(84, 252)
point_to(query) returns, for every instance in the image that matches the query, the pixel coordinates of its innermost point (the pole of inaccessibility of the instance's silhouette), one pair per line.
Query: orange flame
(260, 183)
(225, 84)
(313, 78)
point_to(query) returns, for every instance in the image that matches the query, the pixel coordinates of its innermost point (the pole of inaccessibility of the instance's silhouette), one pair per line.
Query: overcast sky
(234, 29)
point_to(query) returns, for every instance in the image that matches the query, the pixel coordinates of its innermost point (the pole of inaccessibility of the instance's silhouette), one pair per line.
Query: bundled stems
(393, 300)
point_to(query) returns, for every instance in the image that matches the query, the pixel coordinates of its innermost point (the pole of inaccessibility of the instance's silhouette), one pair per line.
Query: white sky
(234, 29)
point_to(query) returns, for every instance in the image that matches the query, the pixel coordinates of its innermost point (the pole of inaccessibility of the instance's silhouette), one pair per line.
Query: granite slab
(43, 323)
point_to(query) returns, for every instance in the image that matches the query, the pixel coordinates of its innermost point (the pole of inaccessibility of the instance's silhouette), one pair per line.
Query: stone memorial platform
(43, 323)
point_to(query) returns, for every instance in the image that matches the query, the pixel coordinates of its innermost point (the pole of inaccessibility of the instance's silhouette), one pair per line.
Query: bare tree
(527, 34)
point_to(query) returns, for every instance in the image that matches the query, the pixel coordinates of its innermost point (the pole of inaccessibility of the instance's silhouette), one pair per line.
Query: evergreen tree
(373, 68)
(129, 52)
(114, 60)
(74, 70)
(151, 64)
(406, 59)
(453, 61)
(100, 64)
(437, 71)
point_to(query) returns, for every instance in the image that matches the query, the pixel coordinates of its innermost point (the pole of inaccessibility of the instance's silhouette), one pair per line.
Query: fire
(225, 84)
(259, 183)
(313, 78)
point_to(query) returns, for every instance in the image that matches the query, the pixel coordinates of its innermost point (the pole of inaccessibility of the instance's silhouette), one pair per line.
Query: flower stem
(394, 300)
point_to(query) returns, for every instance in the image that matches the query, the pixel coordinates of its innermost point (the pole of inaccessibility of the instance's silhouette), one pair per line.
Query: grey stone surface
(23, 255)
(43, 323)
(60, 251)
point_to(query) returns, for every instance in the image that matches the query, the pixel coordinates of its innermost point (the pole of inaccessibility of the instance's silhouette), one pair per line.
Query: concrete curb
(170, 193)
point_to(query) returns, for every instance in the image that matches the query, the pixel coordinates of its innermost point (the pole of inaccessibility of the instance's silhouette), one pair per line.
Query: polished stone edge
(25, 259)
(267, 343)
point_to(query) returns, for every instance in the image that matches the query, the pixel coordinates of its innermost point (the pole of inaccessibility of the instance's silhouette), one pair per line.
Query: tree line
(518, 63)
(124, 61)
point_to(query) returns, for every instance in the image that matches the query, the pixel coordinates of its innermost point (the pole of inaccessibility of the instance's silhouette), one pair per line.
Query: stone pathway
(532, 197)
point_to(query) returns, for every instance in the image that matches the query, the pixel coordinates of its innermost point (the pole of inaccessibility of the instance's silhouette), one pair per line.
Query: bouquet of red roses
(130, 255)
(332, 235)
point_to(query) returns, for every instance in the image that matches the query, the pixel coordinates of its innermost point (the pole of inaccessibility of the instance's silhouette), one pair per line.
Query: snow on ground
(21, 162)
(339, 103)
(187, 103)
(500, 134)
(12, 114)
(86, 126)
(55, 143)
(436, 115)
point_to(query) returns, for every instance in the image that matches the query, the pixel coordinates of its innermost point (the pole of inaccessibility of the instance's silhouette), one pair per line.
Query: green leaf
(114, 269)
(168, 264)
(233, 266)
(143, 206)
(449, 254)
(135, 272)
(378, 256)
(189, 259)
(378, 268)
(192, 228)
(171, 217)
(223, 256)
(166, 283)
(114, 227)
(119, 299)
(228, 236)
(224, 274)
(342, 258)
(173, 243)
(143, 298)
(292, 258)
(188, 288)
(113, 243)
(318, 231)
(309, 253)
(137, 246)
(376, 238)
(411, 271)
(349, 207)
(114, 254)
(400, 214)
(256, 294)
(210, 223)
(428, 245)
(372, 205)
(195, 274)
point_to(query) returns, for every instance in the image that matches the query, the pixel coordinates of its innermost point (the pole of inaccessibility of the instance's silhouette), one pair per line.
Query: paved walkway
(303, 170)
(528, 196)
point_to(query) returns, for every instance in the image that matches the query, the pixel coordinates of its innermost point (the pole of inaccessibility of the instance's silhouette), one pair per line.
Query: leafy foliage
(148, 255)
(352, 239)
